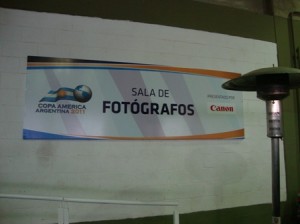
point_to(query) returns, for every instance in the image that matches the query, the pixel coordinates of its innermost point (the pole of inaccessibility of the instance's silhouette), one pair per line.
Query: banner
(84, 99)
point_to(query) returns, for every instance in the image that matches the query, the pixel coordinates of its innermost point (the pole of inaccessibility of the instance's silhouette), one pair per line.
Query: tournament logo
(81, 93)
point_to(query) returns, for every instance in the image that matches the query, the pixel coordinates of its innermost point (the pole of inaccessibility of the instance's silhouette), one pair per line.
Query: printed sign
(84, 99)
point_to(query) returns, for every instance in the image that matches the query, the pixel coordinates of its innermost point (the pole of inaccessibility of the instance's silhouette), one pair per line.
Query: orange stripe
(195, 71)
(224, 135)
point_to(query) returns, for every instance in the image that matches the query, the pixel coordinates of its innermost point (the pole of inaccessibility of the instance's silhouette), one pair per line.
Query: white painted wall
(200, 175)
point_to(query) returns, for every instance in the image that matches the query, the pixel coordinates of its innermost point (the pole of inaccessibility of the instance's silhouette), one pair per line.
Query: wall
(286, 55)
(200, 175)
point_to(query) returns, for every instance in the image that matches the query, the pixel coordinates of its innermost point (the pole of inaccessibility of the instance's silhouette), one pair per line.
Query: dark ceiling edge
(183, 14)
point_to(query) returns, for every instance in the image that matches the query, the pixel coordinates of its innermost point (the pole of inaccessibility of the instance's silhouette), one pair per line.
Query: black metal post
(274, 131)
(272, 85)
(275, 182)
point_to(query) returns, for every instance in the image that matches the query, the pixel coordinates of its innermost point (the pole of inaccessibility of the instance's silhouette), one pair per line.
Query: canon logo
(222, 108)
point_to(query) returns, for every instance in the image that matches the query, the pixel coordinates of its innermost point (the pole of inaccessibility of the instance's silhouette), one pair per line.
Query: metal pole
(274, 131)
(275, 181)
(271, 85)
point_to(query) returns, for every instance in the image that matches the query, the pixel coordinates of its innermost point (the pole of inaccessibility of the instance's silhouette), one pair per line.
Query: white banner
(83, 99)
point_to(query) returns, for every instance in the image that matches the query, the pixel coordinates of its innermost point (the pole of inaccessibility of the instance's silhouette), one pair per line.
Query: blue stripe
(48, 99)
(30, 134)
(66, 89)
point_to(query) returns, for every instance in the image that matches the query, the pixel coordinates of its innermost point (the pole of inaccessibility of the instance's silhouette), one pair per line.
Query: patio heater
(272, 85)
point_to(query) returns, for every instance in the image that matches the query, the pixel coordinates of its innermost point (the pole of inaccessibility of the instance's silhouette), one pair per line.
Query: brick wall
(199, 175)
